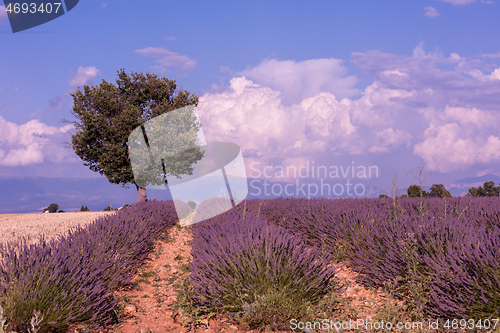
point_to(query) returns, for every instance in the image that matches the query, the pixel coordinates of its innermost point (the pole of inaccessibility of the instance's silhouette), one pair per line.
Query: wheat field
(13, 227)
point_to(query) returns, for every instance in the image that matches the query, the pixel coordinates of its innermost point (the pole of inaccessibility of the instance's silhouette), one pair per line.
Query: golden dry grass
(31, 226)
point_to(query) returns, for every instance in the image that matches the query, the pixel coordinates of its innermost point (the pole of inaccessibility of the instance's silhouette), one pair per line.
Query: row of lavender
(442, 253)
(72, 278)
(257, 272)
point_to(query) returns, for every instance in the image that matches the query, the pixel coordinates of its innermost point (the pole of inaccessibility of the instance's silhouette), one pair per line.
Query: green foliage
(108, 209)
(415, 191)
(108, 113)
(192, 204)
(439, 191)
(436, 191)
(269, 310)
(488, 190)
(383, 196)
(61, 211)
(52, 208)
(84, 209)
(174, 149)
(491, 190)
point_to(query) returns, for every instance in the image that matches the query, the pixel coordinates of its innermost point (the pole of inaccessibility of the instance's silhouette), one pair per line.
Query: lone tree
(52, 208)
(107, 114)
(439, 191)
(415, 191)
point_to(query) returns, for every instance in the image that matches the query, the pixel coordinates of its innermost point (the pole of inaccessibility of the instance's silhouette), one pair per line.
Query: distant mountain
(462, 186)
(31, 195)
(481, 179)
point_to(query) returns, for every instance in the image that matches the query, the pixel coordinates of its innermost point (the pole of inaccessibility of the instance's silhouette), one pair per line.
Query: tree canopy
(436, 191)
(108, 113)
(52, 208)
(439, 191)
(487, 190)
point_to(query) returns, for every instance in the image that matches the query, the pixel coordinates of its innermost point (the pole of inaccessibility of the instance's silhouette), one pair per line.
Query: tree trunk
(141, 194)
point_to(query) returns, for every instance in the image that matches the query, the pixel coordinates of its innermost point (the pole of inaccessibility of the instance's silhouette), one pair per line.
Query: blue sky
(380, 83)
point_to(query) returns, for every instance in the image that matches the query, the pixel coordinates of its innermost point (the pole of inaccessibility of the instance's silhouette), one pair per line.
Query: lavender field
(441, 256)
(267, 262)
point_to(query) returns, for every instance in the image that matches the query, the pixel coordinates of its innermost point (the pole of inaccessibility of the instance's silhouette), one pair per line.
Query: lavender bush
(466, 274)
(262, 272)
(72, 278)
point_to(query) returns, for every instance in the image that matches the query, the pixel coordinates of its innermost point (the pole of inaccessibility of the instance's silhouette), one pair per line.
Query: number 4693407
(32, 8)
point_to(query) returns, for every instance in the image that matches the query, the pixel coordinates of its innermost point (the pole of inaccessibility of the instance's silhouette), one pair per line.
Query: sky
(387, 84)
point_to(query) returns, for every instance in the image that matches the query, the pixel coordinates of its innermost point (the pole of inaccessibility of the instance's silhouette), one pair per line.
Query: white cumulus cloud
(248, 114)
(495, 75)
(390, 138)
(29, 143)
(441, 109)
(299, 80)
(447, 148)
(167, 59)
(255, 118)
(459, 137)
(83, 76)
(431, 12)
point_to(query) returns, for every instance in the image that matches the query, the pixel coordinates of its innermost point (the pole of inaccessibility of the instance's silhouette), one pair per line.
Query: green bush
(52, 208)
(84, 209)
(192, 204)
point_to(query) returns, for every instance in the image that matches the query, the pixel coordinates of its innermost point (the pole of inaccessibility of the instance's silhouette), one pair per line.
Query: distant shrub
(61, 211)
(52, 208)
(84, 209)
(383, 196)
(108, 209)
(192, 204)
